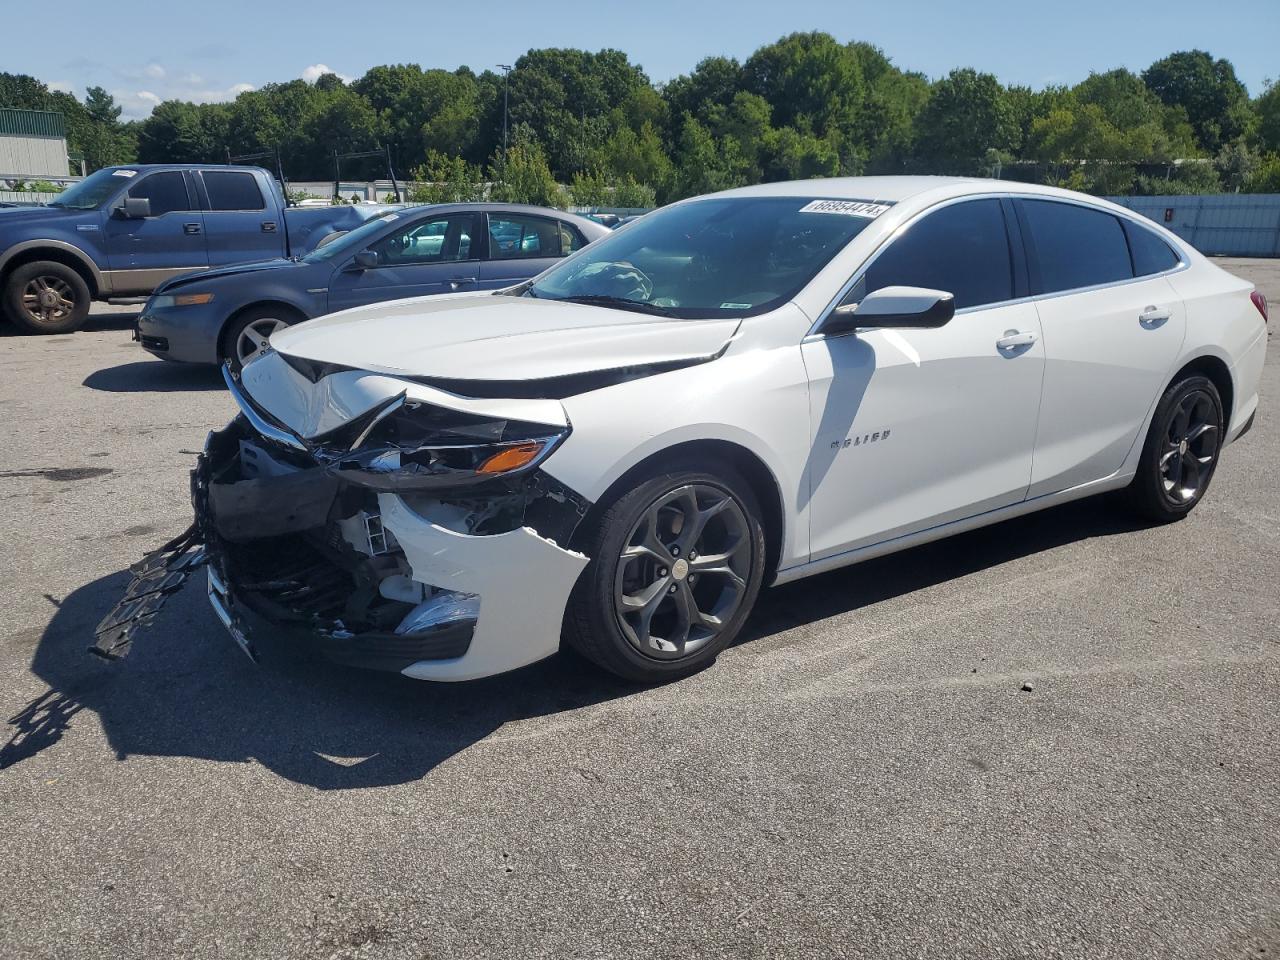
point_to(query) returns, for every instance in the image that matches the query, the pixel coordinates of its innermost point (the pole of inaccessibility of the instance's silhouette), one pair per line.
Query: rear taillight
(1260, 301)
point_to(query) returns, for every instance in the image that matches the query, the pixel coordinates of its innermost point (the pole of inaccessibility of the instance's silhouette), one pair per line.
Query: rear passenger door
(417, 258)
(523, 245)
(240, 224)
(1113, 326)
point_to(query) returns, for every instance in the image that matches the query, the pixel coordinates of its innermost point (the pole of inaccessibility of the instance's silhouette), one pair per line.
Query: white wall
(30, 156)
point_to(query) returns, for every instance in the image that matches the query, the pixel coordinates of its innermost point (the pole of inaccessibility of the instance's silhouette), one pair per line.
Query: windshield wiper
(621, 303)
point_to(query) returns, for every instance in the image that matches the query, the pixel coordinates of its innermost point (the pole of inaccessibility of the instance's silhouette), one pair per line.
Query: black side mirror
(911, 307)
(364, 260)
(134, 208)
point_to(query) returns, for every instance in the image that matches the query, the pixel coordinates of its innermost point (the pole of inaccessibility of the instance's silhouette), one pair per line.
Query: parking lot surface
(864, 775)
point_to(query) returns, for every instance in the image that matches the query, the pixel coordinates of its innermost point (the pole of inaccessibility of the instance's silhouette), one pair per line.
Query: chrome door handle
(456, 281)
(1151, 316)
(1012, 338)
(191, 228)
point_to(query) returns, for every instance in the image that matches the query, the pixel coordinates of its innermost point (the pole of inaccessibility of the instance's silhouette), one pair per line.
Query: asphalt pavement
(864, 775)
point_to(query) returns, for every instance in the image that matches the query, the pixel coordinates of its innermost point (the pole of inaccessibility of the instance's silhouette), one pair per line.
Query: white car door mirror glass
(915, 307)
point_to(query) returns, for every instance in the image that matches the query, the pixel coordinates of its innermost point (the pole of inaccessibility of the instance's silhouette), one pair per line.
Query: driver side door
(913, 428)
(430, 255)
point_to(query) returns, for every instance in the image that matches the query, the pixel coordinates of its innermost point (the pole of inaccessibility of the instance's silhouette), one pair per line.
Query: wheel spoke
(1182, 421)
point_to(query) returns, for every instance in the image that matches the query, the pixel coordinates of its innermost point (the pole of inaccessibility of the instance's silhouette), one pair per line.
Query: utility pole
(506, 83)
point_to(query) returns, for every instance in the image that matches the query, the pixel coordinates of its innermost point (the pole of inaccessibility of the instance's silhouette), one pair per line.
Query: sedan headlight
(413, 445)
(179, 300)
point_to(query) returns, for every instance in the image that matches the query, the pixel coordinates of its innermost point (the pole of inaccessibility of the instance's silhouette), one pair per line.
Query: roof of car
(896, 189)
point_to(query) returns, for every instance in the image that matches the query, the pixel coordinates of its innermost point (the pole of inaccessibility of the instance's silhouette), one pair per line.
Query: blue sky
(144, 51)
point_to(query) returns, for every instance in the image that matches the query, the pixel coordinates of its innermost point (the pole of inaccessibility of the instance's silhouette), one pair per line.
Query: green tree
(524, 176)
(1265, 176)
(1216, 102)
(967, 114)
(446, 179)
(808, 78)
(1267, 108)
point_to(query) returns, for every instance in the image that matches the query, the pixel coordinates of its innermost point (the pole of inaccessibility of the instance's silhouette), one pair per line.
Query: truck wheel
(245, 337)
(46, 297)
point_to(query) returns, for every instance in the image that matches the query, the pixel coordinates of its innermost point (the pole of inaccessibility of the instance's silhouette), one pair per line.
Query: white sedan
(736, 390)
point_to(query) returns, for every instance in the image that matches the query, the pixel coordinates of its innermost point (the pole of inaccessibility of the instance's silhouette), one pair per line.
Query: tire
(662, 640)
(46, 297)
(265, 320)
(1181, 451)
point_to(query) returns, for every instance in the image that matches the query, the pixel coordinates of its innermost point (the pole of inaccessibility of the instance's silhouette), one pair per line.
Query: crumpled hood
(488, 337)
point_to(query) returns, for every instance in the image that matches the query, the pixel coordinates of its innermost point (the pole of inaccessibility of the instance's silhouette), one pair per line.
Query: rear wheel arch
(705, 455)
(1217, 371)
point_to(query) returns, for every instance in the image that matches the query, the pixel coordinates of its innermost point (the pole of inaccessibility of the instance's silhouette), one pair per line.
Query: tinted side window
(232, 191)
(963, 249)
(1150, 253)
(1075, 246)
(513, 237)
(437, 240)
(166, 191)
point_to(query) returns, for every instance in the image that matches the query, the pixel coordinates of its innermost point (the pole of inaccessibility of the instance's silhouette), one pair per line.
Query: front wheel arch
(705, 454)
(286, 311)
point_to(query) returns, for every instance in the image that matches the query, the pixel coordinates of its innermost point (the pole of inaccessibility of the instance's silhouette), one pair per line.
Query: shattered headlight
(409, 444)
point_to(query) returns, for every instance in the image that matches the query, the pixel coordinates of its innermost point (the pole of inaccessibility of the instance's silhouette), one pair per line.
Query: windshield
(719, 257)
(94, 189)
(352, 242)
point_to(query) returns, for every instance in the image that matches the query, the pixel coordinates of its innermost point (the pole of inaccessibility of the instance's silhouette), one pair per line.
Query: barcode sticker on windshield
(847, 208)
(124, 173)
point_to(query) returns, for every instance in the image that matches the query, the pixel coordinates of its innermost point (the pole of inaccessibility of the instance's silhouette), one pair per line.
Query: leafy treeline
(805, 106)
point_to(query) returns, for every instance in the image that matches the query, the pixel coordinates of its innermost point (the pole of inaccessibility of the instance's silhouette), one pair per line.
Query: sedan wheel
(682, 574)
(253, 339)
(677, 560)
(1190, 447)
(1181, 450)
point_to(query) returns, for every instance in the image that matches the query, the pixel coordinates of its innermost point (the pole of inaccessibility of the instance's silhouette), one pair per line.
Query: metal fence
(26, 198)
(1225, 224)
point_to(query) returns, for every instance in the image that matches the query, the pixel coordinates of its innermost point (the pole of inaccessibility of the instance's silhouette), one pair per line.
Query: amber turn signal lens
(512, 458)
(191, 299)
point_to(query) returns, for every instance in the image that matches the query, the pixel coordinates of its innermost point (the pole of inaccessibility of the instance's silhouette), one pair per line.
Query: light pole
(506, 83)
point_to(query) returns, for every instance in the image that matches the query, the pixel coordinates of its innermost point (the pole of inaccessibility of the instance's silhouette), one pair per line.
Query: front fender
(14, 251)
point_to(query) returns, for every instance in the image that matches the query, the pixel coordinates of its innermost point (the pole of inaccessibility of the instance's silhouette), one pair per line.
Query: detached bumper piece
(156, 577)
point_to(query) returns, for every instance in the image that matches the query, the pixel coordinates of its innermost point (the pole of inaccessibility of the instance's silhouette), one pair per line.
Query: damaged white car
(736, 390)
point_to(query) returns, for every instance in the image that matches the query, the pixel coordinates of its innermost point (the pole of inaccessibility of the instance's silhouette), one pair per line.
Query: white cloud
(154, 71)
(317, 70)
(138, 104)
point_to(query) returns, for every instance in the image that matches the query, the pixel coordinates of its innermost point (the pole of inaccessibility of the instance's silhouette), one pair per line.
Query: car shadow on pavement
(155, 376)
(186, 690)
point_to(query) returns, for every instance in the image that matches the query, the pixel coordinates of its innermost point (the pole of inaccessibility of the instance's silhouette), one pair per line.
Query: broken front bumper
(449, 587)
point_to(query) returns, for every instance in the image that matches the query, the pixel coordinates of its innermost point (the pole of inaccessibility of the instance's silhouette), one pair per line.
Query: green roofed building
(33, 143)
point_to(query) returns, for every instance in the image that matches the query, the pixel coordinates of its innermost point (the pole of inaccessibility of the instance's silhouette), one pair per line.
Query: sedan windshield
(94, 189)
(719, 257)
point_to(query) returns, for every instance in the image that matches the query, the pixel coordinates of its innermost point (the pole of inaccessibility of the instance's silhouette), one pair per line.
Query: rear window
(232, 191)
(1076, 246)
(1150, 253)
